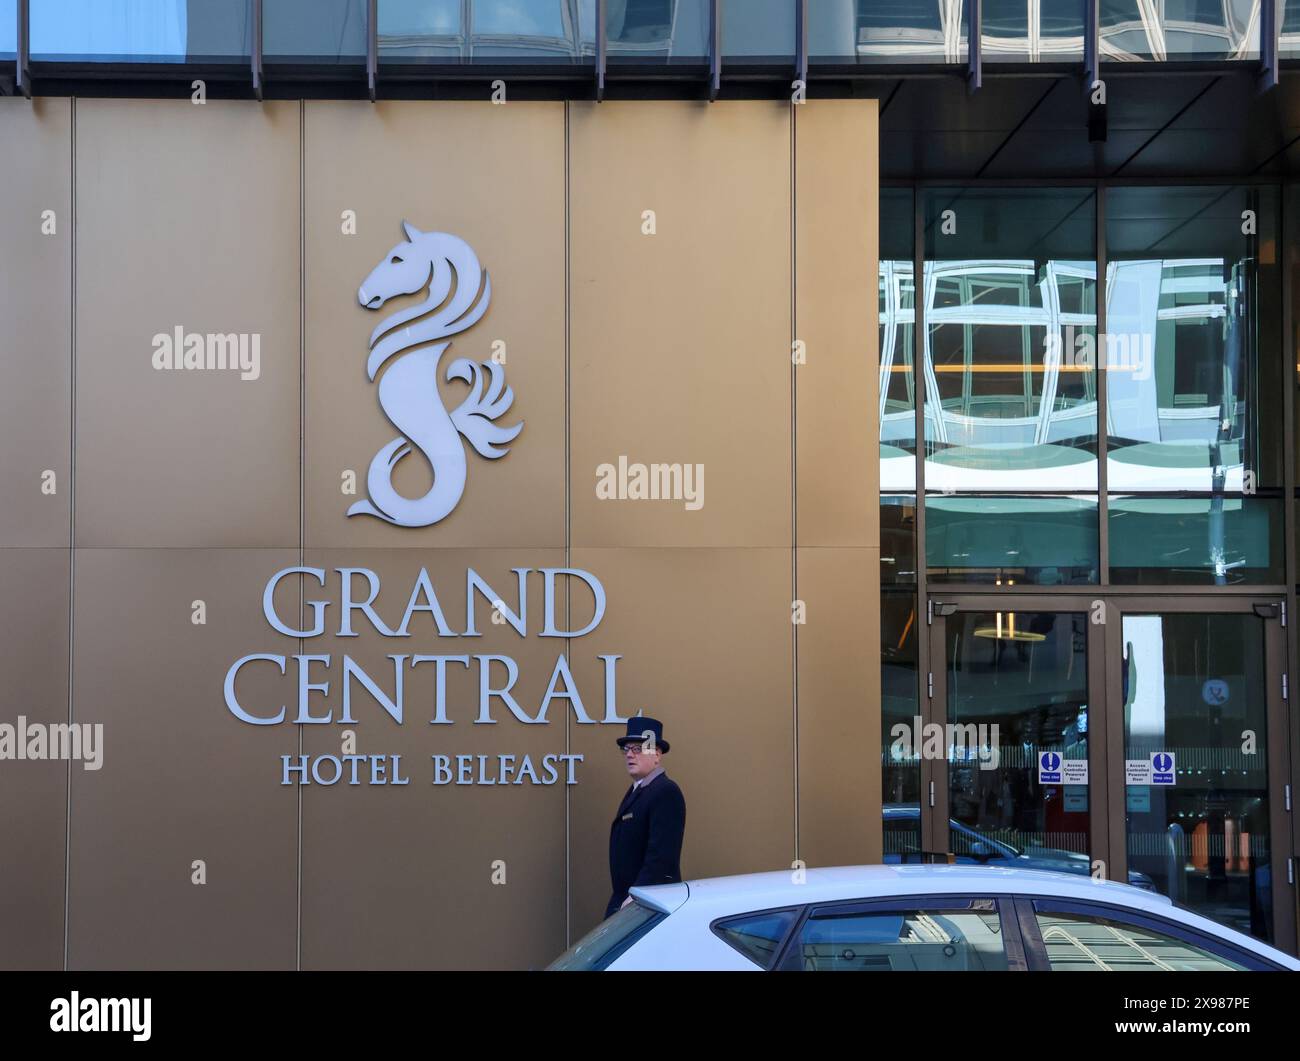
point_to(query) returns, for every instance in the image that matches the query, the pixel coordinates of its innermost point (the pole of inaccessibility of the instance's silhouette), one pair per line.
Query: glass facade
(8, 29)
(423, 31)
(1021, 31)
(1011, 414)
(637, 32)
(1289, 30)
(840, 32)
(656, 30)
(910, 31)
(1030, 31)
(330, 31)
(1038, 530)
(1013, 363)
(157, 31)
(1194, 448)
(1132, 30)
(1195, 541)
(897, 388)
(901, 768)
(1194, 686)
(758, 31)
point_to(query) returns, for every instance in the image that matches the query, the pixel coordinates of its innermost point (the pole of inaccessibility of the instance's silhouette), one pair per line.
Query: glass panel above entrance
(1011, 541)
(1193, 370)
(1010, 317)
(1009, 308)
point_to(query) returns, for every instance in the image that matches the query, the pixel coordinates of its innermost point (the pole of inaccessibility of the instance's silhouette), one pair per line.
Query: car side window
(893, 938)
(1082, 942)
(757, 936)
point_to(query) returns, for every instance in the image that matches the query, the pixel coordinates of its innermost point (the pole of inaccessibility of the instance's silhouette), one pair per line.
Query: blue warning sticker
(1162, 768)
(1049, 768)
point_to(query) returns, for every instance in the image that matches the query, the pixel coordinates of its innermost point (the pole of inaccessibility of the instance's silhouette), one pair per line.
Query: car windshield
(599, 947)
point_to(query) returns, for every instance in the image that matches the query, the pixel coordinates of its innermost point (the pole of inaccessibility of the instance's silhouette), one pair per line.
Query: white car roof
(715, 897)
(830, 884)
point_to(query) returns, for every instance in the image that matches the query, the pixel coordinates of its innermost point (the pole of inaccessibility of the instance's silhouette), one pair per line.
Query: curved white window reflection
(1175, 358)
(897, 383)
(1010, 363)
(1131, 30)
(1157, 30)
(451, 29)
(933, 29)
(1033, 30)
(1010, 376)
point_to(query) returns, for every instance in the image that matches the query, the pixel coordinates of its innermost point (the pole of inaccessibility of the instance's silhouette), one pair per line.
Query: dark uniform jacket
(645, 840)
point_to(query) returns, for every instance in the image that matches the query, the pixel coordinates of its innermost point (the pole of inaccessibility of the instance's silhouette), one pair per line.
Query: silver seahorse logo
(458, 295)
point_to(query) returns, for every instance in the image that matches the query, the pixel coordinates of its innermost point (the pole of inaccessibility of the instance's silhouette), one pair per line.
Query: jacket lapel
(631, 796)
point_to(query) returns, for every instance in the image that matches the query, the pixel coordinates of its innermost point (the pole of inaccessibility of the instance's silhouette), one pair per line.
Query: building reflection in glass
(1010, 384)
(1177, 346)
(1010, 359)
(1019, 31)
(1193, 385)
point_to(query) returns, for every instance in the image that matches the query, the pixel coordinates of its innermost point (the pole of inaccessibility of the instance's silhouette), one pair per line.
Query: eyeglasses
(641, 749)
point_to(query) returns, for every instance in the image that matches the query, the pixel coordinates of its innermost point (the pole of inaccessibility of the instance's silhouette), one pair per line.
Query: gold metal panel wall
(36, 321)
(707, 646)
(187, 218)
(837, 319)
(182, 779)
(681, 339)
(838, 480)
(839, 707)
(34, 793)
(426, 875)
(669, 348)
(494, 176)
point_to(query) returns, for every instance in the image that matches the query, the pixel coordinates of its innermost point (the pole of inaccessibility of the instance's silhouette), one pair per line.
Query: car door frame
(1027, 906)
(1012, 945)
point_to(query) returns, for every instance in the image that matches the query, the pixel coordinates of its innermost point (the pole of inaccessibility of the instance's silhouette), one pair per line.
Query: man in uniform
(645, 839)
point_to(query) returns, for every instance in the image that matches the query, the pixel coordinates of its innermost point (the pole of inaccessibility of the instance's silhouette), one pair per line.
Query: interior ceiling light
(1005, 630)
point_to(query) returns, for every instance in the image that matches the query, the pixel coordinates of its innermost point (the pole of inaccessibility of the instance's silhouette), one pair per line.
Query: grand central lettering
(358, 591)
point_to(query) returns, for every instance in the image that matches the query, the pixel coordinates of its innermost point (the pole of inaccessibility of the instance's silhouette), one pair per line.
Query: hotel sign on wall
(411, 343)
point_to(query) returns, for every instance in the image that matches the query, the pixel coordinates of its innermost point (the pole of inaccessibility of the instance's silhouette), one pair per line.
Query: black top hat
(639, 726)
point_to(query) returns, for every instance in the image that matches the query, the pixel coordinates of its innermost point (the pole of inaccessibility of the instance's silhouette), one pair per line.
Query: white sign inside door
(1074, 772)
(1137, 771)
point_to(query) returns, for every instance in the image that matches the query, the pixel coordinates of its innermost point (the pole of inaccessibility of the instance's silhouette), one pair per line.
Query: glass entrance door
(1013, 684)
(1135, 738)
(1202, 725)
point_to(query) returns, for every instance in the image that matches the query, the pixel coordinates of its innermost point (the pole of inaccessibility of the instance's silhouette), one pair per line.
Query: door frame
(934, 773)
(1270, 610)
(1107, 798)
